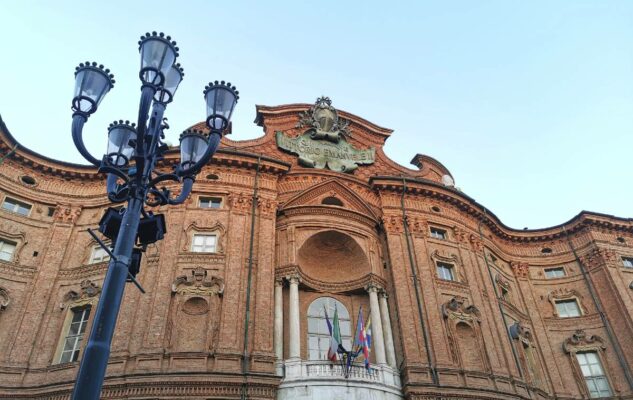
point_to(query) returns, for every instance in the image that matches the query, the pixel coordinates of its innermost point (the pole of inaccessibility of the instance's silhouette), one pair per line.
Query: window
(15, 206)
(596, 380)
(438, 233)
(332, 201)
(98, 255)
(7, 249)
(553, 273)
(204, 243)
(75, 334)
(318, 333)
(445, 271)
(210, 202)
(567, 308)
(627, 262)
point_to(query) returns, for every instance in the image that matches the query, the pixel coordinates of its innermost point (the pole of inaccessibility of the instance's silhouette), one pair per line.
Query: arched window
(318, 333)
(332, 201)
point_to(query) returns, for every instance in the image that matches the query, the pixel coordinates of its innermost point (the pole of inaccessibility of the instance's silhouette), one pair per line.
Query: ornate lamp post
(131, 157)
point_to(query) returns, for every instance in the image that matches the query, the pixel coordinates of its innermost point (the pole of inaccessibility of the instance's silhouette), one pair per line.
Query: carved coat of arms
(324, 144)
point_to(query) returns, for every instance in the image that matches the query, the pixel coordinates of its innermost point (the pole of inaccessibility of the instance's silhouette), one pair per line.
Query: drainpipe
(603, 317)
(500, 305)
(418, 297)
(247, 313)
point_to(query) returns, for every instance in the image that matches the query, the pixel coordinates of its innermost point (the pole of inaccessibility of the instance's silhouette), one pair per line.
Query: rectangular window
(567, 308)
(437, 233)
(98, 255)
(7, 249)
(445, 271)
(627, 262)
(204, 243)
(595, 378)
(553, 273)
(210, 202)
(75, 334)
(15, 206)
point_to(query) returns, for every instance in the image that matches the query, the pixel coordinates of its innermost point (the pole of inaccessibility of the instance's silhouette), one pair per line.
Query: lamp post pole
(130, 161)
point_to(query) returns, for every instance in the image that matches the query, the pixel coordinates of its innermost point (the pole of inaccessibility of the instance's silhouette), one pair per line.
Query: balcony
(325, 380)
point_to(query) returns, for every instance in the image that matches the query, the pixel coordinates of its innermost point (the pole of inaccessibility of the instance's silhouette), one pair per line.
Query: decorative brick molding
(455, 309)
(198, 283)
(338, 287)
(599, 257)
(581, 341)
(216, 228)
(520, 269)
(84, 294)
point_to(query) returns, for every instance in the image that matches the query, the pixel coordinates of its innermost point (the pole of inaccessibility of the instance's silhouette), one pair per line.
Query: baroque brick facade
(491, 331)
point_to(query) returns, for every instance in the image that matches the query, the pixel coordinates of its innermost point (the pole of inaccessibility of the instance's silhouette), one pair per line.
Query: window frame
(193, 246)
(209, 199)
(440, 265)
(4, 242)
(627, 262)
(593, 378)
(79, 342)
(324, 337)
(17, 204)
(561, 269)
(438, 233)
(568, 301)
(98, 249)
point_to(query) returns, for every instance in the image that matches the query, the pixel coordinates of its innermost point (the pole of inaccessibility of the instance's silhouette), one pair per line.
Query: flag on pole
(367, 342)
(332, 350)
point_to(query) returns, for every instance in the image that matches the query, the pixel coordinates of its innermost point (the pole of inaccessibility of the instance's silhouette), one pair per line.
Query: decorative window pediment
(85, 294)
(452, 260)
(14, 238)
(194, 228)
(565, 295)
(581, 341)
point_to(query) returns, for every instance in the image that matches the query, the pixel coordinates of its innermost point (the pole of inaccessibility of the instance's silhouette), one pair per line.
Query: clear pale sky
(528, 103)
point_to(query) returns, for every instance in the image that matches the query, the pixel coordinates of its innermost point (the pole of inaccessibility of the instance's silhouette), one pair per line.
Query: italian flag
(335, 335)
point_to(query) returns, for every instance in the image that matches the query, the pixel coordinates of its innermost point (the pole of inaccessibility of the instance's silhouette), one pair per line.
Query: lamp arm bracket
(77, 131)
(214, 142)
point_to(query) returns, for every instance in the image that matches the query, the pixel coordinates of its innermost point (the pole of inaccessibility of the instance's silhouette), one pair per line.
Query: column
(295, 326)
(376, 324)
(386, 326)
(278, 341)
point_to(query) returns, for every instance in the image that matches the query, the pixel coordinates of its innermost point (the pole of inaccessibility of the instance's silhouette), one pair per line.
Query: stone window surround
(209, 197)
(627, 262)
(453, 261)
(19, 239)
(19, 201)
(438, 233)
(88, 294)
(193, 228)
(560, 268)
(580, 342)
(563, 295)
(94, 248)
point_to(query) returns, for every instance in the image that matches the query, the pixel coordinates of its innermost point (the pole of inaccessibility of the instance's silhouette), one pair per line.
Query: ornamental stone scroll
(198, 283)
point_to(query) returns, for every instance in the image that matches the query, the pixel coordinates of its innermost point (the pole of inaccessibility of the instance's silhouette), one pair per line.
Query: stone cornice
(449, 195)
(325, 210)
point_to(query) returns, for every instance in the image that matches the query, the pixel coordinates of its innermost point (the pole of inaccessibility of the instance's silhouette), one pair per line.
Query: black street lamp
(131, 157)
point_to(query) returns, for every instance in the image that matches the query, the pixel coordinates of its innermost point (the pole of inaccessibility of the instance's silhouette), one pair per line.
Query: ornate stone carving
(216, 228)
(240, 203)
(476, 243)
(393, 224)
(267, 207)
(461, 236)
(198, 283)
(597, 257)
(418, 225)
(323, 121)
(521, 332)
(87, 290)
(455, 308)
(66, 213)
(323, 144)
(563, 293)
(520, 269)
(581, 341)
(4, 299)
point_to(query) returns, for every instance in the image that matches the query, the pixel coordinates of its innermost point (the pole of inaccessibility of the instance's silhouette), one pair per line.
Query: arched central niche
(333, 256)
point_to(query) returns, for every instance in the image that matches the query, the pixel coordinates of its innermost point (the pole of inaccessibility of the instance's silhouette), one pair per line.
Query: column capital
(279, 281)
(373, 288)
(293, 278)
(383, 294)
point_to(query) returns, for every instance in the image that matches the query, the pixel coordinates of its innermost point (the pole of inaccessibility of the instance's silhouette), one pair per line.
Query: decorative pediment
(563, 293)
(86, 293)
(456, 309)
(331, 189)
(581, 341)
(213, 228)
(199, 283)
